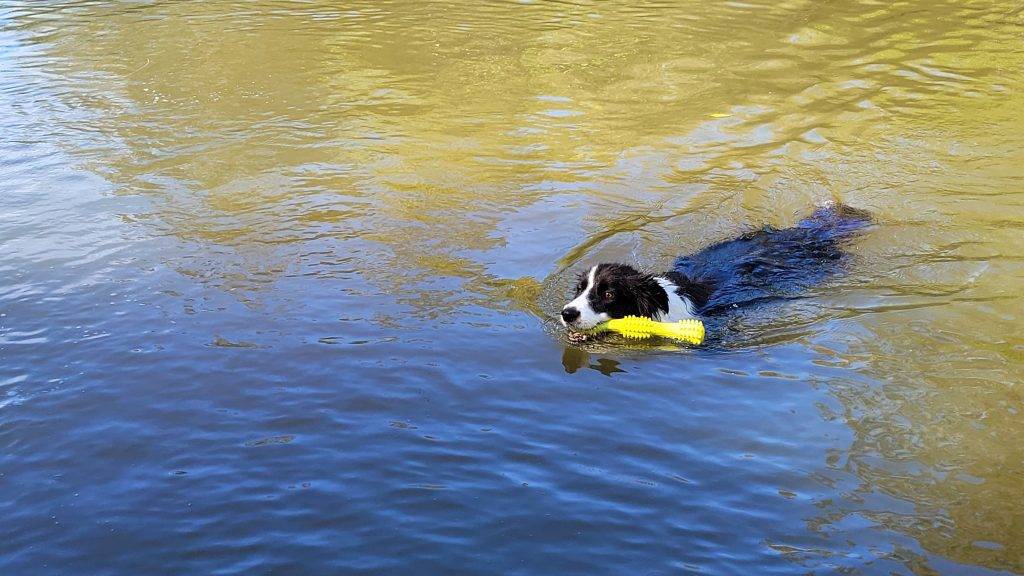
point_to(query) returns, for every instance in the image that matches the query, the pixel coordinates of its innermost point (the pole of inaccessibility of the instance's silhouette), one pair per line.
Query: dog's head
(609, 291)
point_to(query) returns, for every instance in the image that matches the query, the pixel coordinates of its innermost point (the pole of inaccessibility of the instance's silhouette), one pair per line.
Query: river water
(279, 281)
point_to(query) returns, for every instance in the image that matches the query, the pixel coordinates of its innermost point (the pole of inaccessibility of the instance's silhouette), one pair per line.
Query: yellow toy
(690, 331)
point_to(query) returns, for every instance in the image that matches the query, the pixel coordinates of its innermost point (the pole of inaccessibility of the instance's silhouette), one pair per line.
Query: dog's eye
(609, 296)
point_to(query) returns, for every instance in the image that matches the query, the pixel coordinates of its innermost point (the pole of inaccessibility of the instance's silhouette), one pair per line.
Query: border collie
(762, 265)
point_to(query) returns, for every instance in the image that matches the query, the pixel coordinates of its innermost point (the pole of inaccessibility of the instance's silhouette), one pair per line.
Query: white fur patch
(679, 307)
(588, 317)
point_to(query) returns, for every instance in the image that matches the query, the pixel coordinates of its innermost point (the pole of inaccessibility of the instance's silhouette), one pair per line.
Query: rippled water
(279, 277)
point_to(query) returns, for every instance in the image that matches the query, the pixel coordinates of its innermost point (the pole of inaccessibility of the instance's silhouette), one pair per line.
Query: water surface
(279, 280)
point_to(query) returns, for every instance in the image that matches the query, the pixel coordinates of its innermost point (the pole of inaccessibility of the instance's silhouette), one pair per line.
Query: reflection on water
(233, 221)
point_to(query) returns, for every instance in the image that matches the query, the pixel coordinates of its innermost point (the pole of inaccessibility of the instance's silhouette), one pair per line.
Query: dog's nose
(570, 314)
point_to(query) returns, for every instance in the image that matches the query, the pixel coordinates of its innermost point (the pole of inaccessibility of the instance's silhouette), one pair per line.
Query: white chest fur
(679, 307)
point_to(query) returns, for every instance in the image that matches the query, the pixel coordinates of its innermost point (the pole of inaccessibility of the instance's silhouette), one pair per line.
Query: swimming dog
(761, 265)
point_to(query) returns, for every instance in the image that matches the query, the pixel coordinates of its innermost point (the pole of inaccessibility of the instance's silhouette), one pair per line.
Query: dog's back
(771, 263)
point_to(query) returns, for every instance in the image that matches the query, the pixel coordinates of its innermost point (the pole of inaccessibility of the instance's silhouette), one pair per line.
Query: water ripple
(281, 280)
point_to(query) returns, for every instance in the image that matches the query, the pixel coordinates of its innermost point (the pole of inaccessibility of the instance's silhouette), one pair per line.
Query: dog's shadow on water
(606, 353)
(575, 359)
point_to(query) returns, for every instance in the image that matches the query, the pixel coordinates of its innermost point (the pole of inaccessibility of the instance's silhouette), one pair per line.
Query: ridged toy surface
(691, 331)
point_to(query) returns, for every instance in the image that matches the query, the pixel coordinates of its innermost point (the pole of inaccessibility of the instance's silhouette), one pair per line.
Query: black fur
(760, 265)
(769, 263)
(620, 290)
(696, 292)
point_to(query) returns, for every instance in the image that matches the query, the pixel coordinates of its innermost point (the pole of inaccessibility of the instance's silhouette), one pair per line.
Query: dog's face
(609, 291)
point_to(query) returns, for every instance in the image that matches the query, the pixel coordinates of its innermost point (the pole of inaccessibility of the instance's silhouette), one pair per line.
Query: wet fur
(646, 296)
(760, 265)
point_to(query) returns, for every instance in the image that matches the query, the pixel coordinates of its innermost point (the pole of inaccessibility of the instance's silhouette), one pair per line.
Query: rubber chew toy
(691, 331)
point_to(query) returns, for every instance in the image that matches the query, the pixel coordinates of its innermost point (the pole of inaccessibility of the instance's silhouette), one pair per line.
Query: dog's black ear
(581, 284)
(651, 298)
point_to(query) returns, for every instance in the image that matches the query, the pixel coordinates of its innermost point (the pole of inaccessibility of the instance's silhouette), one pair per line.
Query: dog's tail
(837, 220)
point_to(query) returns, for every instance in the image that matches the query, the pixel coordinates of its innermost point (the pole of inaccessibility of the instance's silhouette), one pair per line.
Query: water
(279, 280)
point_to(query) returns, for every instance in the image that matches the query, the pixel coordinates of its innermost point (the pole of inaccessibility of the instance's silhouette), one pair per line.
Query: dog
(762, 265)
